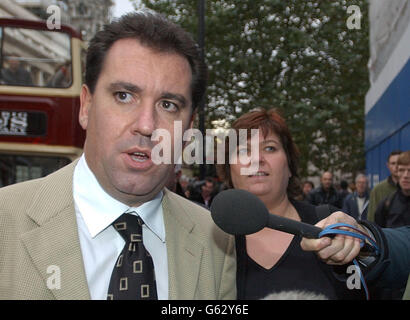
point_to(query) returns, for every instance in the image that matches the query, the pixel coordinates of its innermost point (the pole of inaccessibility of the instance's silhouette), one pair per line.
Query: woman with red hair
(270, 260)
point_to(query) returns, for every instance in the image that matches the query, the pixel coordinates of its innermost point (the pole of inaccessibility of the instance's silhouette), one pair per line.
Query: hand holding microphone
(240, 212)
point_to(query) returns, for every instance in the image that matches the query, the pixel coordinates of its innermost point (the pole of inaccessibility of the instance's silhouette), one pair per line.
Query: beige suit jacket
(40, 254)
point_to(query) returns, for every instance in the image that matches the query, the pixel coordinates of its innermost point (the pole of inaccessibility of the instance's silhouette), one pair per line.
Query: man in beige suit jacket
(143, 73)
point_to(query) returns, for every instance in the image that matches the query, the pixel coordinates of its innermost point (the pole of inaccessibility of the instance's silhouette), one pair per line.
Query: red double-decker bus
(40, 84)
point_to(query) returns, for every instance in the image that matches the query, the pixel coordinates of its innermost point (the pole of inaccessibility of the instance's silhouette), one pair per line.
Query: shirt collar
(99, 210)
(151, 213)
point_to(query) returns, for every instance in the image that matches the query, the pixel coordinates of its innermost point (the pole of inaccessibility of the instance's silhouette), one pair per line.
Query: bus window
(18, 168)
(35, 58)
(40, 86)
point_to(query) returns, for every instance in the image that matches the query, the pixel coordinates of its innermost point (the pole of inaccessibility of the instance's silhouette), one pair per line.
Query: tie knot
(129, 227)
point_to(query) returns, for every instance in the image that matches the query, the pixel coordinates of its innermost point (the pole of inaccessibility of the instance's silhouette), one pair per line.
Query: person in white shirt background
(356, 203)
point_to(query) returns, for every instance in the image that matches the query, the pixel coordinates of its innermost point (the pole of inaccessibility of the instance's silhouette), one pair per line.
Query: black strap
(240, 245)
(375, 269)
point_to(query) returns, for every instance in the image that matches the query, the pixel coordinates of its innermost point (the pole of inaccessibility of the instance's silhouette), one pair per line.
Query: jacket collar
(391, 182)
(183, 249)
(366, 195)
(54, 245)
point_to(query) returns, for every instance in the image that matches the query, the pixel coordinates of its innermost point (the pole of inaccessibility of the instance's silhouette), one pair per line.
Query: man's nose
(144, 120)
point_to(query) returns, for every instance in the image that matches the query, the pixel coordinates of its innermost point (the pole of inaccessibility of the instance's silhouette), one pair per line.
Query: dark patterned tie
(133, 276)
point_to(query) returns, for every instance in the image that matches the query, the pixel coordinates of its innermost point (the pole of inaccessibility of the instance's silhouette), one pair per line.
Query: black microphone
(240, 212)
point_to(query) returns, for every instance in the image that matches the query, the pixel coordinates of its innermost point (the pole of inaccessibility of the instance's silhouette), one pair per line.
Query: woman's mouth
(259, 174)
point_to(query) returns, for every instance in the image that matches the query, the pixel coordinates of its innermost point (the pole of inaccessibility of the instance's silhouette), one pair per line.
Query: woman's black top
(296, 269)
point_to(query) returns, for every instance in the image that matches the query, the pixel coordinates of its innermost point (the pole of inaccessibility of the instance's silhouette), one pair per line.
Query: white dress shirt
(101, 244)
(360, 205)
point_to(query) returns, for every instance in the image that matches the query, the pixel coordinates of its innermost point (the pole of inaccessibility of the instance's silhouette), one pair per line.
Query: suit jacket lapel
(184, 251)
(54, 245)
(366, 203)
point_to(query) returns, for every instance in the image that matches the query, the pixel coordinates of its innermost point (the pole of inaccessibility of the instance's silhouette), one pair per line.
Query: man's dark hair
(394, 153)
(154, 31)
(309, 182)
(210, 179)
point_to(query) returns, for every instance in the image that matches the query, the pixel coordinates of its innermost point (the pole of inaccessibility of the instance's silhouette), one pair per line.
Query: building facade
(87, 16)
(387, 109)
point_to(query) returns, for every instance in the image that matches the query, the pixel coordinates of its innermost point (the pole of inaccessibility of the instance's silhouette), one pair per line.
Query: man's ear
(85, 105)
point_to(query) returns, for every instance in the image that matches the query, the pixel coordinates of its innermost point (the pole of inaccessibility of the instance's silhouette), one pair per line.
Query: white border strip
(396, 62)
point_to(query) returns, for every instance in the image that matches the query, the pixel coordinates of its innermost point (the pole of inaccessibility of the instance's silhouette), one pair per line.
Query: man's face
(327, 180)
(207, 188)
(361, 185)
(307, 187)
(392, 166)
(138, 91)
(404, 178)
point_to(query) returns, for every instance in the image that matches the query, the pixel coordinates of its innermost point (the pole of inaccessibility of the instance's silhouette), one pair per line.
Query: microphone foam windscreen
(239, 212)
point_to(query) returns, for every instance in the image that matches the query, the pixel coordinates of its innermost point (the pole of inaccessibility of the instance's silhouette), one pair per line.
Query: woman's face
(272, 177)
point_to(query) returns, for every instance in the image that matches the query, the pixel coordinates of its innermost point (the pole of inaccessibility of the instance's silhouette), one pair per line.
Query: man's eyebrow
(120, 85)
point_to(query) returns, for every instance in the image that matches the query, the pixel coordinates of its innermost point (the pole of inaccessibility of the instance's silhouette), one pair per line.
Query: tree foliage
(296, 56)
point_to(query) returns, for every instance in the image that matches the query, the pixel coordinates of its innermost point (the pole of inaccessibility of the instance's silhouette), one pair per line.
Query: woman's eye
(270, 148)
(123, 97)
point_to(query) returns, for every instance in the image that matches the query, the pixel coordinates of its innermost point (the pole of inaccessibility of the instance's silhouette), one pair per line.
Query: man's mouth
(139, 156)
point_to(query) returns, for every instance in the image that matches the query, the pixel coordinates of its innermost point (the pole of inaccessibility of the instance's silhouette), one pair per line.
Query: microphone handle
(305, 230)
(294, 227)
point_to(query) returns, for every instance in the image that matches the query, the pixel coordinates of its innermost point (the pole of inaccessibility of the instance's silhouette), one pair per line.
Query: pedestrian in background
(356, 203)
(386, 187)
(326, 193)
(394, 210)
(307, 186)
(343, 192)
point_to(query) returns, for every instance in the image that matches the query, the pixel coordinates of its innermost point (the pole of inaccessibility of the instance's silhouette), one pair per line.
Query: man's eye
(169, 106)
(123, 97)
